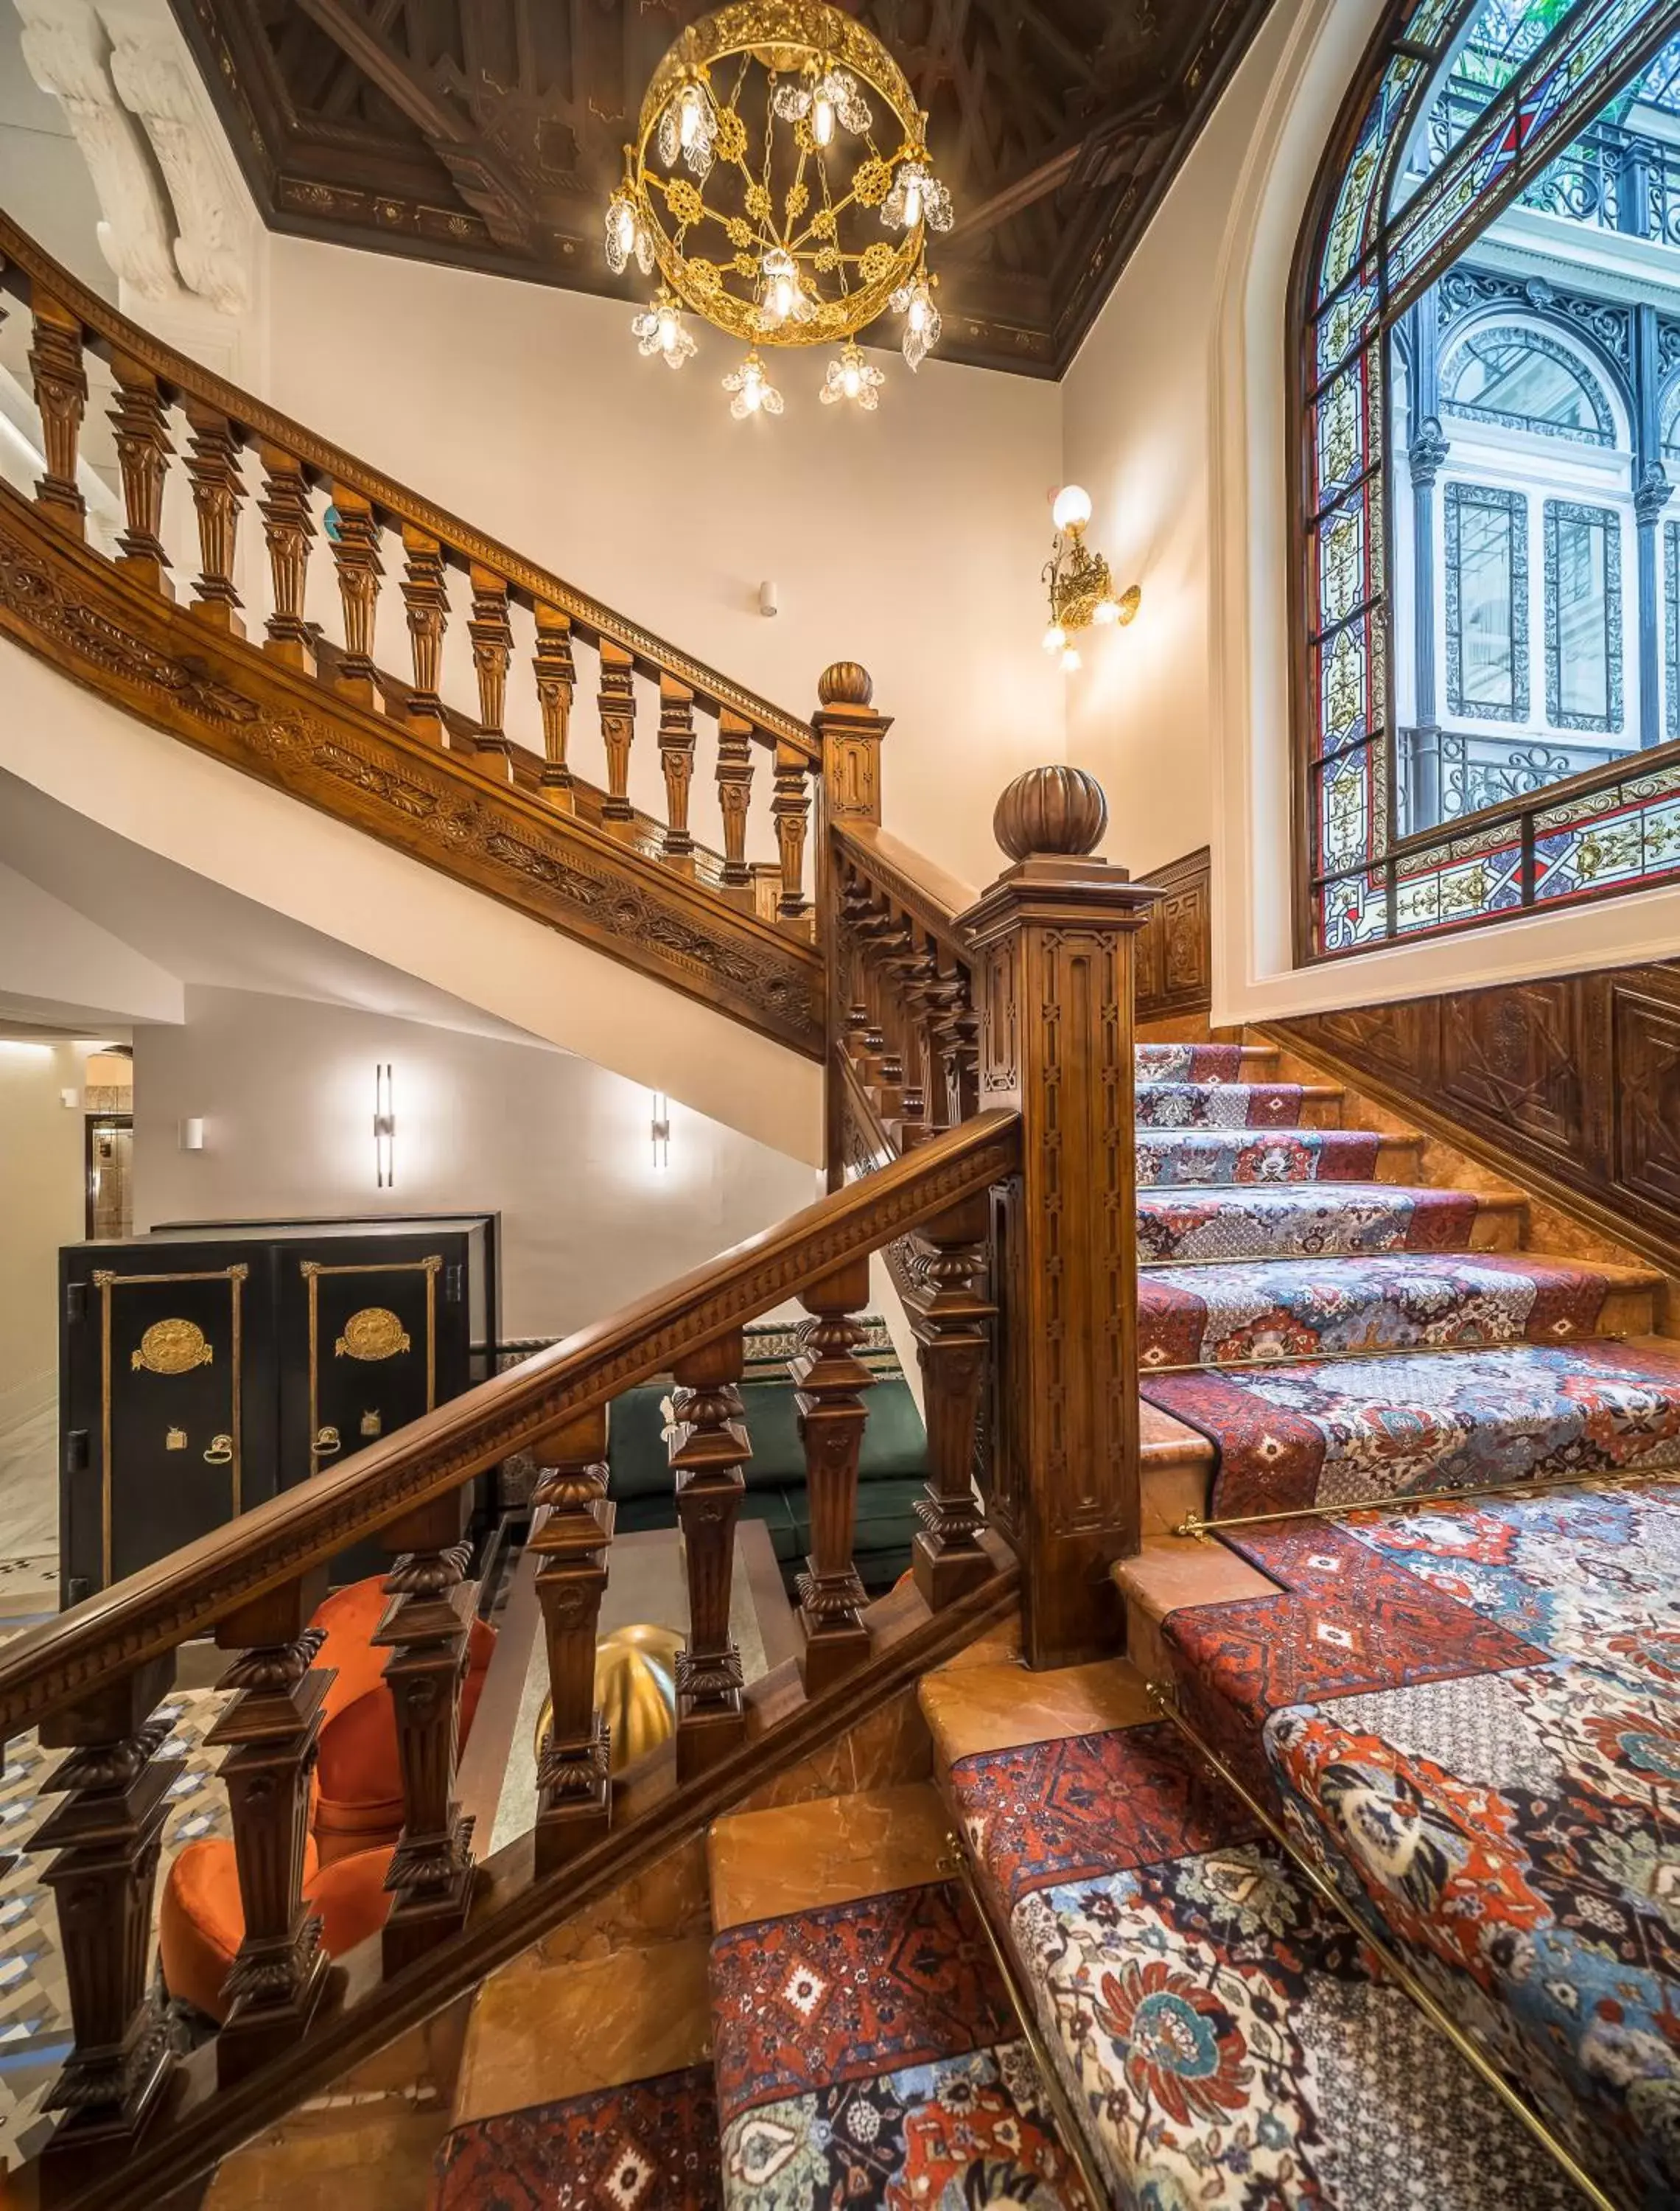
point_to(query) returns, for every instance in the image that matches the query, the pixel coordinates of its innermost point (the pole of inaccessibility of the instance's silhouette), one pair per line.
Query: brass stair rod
(1193, 1525)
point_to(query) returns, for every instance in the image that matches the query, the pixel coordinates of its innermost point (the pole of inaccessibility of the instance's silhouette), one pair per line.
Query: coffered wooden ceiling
(488, 132)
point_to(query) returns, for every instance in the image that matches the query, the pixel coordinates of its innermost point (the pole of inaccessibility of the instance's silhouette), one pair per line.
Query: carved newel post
(1055, 938)
(850, 731)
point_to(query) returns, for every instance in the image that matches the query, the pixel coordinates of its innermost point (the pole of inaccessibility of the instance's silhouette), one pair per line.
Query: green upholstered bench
(892, 1470)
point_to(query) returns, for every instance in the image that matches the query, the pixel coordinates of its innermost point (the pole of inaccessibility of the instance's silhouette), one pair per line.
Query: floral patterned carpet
(1469, 1719)
(867, 2055)
(1228, 2036)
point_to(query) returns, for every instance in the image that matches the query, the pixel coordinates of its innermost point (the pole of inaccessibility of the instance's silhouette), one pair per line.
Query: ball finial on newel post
(1059, 810)
(847, 683)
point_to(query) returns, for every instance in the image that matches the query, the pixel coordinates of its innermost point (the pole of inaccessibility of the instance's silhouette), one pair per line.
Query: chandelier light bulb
(1106, 611)
(823, 119)
(912, 201)
(688, 115)
(1072, 508)
(623, 220)
(852, 378)
(1054, 638)
(754, 394)
(1070, 659)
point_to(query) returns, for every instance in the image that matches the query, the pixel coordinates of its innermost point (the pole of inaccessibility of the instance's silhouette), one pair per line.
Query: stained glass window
(1529, 425)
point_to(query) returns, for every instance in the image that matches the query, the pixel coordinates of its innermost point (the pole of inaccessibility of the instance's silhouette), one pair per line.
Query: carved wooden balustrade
(134, 2119)
(241, 582)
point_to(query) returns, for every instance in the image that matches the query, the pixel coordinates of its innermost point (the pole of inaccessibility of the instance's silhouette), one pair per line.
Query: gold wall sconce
(1081, 589)
(662, 1132)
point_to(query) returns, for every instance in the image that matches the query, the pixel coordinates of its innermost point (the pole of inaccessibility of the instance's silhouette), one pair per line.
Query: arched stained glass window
(1488, 691)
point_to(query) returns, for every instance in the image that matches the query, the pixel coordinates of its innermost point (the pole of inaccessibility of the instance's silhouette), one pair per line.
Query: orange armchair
(355, 1816)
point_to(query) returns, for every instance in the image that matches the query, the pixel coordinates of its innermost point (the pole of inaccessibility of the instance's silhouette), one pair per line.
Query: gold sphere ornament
(780, 183)
(635, 1688)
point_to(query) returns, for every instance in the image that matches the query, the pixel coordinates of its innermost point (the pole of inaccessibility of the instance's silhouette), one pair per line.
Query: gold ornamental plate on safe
(373, 1334)
(172, 1346)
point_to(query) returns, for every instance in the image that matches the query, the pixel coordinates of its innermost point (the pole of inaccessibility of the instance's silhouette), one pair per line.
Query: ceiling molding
(486, 134)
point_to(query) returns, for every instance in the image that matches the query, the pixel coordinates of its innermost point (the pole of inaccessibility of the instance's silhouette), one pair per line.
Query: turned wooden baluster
(618, 727)
(676, 759)
(571, 1529)
(493, 651)
(356, 557)
(141, 421)
(556, 680)
(61, 397)
(832, 1415)
(426, 603)
(791, 808)
(957, 1037)
(106, 1833)
(426, 1628)
(271, 1729)
(288, 525)
(735, 795)
(708, 1456)
(950, 1316)
(217, 493)
(914, 972)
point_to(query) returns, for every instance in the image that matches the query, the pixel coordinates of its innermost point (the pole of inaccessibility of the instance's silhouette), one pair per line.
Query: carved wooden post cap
(847, 683)
(1051, 809)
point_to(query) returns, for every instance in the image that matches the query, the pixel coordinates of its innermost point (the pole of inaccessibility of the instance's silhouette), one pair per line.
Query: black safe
(208, 1366)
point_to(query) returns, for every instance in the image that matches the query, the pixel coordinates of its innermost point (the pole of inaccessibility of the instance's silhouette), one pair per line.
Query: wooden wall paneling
(1571, 1082)
(1175, 946)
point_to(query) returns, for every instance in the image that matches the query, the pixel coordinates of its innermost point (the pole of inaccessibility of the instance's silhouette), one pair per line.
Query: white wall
(41, 1205)
(910, 540)
(158, 793)
(56, 968)
(1176, 423)
(561, 1148)
(1135, 434)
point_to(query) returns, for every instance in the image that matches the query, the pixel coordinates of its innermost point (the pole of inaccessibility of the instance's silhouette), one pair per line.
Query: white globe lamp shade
(1072, 508)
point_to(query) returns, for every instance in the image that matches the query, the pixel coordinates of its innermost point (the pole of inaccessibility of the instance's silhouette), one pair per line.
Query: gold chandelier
(774, 201)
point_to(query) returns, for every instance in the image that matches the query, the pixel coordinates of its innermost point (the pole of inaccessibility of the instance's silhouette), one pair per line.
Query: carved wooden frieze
(299, 736)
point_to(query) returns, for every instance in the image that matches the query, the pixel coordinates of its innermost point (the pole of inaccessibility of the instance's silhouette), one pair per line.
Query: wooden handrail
(113, 334)
(921, 886)
(68, 1658)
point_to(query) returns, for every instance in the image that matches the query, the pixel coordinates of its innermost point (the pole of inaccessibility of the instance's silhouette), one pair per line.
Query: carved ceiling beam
(478, 173)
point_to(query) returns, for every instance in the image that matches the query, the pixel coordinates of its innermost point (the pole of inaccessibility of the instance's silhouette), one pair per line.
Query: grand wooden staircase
(992, 1133)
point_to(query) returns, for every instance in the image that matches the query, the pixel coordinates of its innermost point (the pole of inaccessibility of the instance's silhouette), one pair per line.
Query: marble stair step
(1345, 1430)
(865, 2041)
(1275, 1309)
(1220, 2034)
(571, 2068)
(1176, 1159)
(1169, 1573)
(1176, 1468)
(1238, 1105)
(1310, 1220)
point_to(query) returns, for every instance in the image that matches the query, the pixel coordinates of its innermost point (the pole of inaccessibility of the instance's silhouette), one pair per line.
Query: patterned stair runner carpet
(1300, 1220)
(1294, 1308)
(1471, 1719)
(867, 2055)
(1170, 1157)
(1218, 1105)
(651, 2146)
(1346, 1431)
(1227, 2035)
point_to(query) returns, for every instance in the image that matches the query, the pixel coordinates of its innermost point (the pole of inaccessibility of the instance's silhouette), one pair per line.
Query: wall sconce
(384, 1127)
(662, 1132)
(1081, 589)
(192, 1133)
